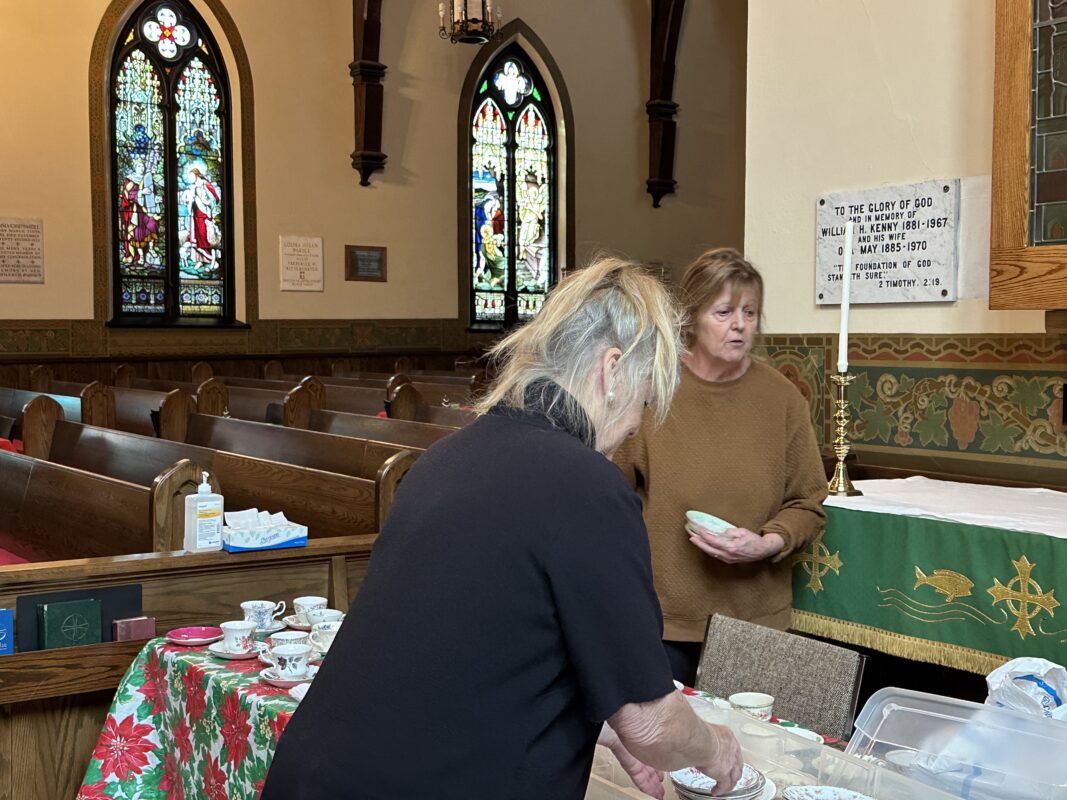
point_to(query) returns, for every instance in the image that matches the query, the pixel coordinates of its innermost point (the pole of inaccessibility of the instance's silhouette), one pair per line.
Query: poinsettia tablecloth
(187, 725)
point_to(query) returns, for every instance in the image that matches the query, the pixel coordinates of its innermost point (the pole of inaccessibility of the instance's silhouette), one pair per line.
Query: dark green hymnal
(68, 624)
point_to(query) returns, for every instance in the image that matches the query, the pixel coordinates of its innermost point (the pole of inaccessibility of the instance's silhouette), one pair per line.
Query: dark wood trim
(661, 108)
(516, 30)
(367, 73)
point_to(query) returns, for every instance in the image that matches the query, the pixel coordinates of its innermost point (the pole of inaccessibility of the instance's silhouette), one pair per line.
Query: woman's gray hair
(610, 303)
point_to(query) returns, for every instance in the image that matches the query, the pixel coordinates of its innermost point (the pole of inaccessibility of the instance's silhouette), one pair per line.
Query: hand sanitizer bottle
(203, 519)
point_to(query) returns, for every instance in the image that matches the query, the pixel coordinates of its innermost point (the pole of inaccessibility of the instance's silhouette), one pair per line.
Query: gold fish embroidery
(950, 584)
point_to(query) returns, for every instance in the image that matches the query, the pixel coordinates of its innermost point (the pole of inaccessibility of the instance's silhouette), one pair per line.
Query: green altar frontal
(948, 593)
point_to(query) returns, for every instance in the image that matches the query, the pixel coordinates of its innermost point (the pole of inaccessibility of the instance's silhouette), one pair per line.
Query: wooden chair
(814, 684)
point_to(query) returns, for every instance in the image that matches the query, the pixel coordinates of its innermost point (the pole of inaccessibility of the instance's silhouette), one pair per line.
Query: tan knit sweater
(743, 450)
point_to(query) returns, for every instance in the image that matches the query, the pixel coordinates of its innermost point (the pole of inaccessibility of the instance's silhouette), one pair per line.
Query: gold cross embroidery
(817, 562)
(1019, 601)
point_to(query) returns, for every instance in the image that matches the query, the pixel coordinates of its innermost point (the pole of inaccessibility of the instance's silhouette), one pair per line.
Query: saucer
(804, 733)
(196, 635)
(822, 793)
(274, 627)
(268, 676)
(693, 781)
(292, 622)
(709, 521)
(216, 649)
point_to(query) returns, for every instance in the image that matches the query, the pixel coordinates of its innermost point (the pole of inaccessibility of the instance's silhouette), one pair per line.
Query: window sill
(185, 324)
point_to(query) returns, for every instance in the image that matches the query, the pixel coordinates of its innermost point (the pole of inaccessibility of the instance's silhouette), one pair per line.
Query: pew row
(53, 511)
(406, 433)
(53, 703)
(330, 503)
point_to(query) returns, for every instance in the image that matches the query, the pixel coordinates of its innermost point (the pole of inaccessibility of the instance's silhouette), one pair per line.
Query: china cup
(287, 637)
(755, 704)
(302, 605)
(262, 612)
(317, 615)
(322, 634)
(237, 636)
(291, 661)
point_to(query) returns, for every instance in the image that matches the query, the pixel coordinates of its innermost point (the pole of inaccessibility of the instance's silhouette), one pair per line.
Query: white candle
(441, 13)
(846, 283)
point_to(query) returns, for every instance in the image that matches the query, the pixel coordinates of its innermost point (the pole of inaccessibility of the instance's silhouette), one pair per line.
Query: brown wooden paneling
(1028, 278)
(1011, 126)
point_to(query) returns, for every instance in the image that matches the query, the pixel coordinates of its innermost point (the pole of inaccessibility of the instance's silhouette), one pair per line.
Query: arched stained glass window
(171, 174)
(512, 186)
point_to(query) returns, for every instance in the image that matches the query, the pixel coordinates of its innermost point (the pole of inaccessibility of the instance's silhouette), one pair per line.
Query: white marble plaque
(906, 245)
(300, 258)
(21, 250)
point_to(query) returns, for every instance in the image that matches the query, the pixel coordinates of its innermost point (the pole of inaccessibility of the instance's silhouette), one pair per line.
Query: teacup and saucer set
(290, 664)
(309, 611)
(265, 614)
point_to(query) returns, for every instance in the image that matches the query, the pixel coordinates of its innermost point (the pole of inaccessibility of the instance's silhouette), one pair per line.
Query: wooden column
(367, 73)
(666, 26)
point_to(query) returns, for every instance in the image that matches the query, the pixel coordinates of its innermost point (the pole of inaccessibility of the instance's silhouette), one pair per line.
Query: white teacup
(290, 660)
(237, 636)
(302, 605)
(262, 612)
(317, 615)
(287, 637)
(322, 634)
(755, 704)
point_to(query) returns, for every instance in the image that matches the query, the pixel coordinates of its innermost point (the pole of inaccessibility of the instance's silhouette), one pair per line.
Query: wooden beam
(661, 108)
(367, 73)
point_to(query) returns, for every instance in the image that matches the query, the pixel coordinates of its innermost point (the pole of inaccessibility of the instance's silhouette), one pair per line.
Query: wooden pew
(97, 400)
(241, 402)
(6, 424)
(50, 510)
(33, 415)
(412, 435)
(53, 703)
(329, 503)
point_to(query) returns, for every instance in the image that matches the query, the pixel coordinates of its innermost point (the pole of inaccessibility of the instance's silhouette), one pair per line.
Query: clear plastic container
(968, 750)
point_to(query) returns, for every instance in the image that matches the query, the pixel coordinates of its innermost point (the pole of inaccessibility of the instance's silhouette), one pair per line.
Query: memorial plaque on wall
(21, 250)
(905, 247)
(300, 258)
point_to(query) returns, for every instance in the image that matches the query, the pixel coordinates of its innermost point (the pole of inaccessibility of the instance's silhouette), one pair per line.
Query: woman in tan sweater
(738, 444)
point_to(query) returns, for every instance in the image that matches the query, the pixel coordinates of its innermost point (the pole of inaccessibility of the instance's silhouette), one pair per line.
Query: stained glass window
(512, 186)
(1048, 151)
(171, 170)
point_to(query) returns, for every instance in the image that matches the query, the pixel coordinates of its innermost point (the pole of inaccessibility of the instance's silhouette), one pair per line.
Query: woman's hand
(648, 779)
(735, 545)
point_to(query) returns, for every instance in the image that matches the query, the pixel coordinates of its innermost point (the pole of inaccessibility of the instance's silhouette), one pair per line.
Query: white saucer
(292, 622)
(268, 676)
(822, 793)
(804, 733)
(274, 627)
(216, 649)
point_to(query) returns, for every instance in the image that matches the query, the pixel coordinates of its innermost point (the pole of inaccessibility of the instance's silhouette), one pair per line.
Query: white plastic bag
(1033, 685)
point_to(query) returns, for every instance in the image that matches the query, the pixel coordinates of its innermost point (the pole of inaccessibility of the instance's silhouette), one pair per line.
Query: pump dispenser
(203, 519)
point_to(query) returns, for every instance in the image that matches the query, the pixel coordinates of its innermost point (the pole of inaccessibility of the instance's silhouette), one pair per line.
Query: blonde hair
(709, 275)
(610, 303)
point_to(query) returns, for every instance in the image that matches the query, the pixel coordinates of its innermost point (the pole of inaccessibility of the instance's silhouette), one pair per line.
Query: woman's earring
(610, 397)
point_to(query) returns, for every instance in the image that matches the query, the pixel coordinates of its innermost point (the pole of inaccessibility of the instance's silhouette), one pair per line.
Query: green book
(68, 624)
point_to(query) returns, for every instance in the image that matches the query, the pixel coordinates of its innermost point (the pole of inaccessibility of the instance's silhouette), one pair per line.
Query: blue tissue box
(7, 632)
(232, 548)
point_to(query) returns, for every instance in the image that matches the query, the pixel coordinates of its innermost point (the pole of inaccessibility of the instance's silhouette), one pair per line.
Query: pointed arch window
(172, 255)
(513, 186)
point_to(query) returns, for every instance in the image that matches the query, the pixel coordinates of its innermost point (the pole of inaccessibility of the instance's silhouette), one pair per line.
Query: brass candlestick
(840, 485)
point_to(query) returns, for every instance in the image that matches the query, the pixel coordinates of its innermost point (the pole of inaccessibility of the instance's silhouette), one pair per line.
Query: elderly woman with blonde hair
(739, 444)
(508, 611)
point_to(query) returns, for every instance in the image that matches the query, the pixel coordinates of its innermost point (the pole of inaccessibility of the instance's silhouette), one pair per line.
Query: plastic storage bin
(969, 750)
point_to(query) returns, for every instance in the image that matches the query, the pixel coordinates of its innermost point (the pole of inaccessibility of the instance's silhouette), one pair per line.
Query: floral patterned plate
(218, 649)
(694, 781)
(270, 676)
(822, 793)
(293, 623)
(196, 635)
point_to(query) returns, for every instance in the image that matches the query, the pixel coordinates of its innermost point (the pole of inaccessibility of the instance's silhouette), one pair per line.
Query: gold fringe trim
(897, 644)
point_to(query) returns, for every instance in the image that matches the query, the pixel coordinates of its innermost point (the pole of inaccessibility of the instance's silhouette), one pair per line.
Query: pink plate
(195, 635)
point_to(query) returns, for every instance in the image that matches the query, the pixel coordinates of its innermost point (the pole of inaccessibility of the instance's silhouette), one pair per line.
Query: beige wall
(299, 54)
(853, 94)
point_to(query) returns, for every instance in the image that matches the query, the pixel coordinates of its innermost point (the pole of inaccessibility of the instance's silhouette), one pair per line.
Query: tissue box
(253, 529)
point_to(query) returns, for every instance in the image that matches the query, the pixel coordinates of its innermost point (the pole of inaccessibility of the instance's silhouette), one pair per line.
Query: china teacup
(317, 615)
(262, 612)
(302, 605)
(322, 634)
(291, 661)
(237, 636)
(287, 637)
(755, 704)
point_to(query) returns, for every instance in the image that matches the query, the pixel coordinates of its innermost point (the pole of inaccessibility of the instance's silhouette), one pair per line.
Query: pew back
(409, 434)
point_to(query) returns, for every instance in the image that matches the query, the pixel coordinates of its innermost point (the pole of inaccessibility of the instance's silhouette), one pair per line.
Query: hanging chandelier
(468, 21)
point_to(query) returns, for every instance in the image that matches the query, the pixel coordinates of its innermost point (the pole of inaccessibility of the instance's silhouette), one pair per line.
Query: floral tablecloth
(187, 725)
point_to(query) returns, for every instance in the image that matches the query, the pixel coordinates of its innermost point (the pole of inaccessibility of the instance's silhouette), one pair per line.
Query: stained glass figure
(171, 168)
(512, 185)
